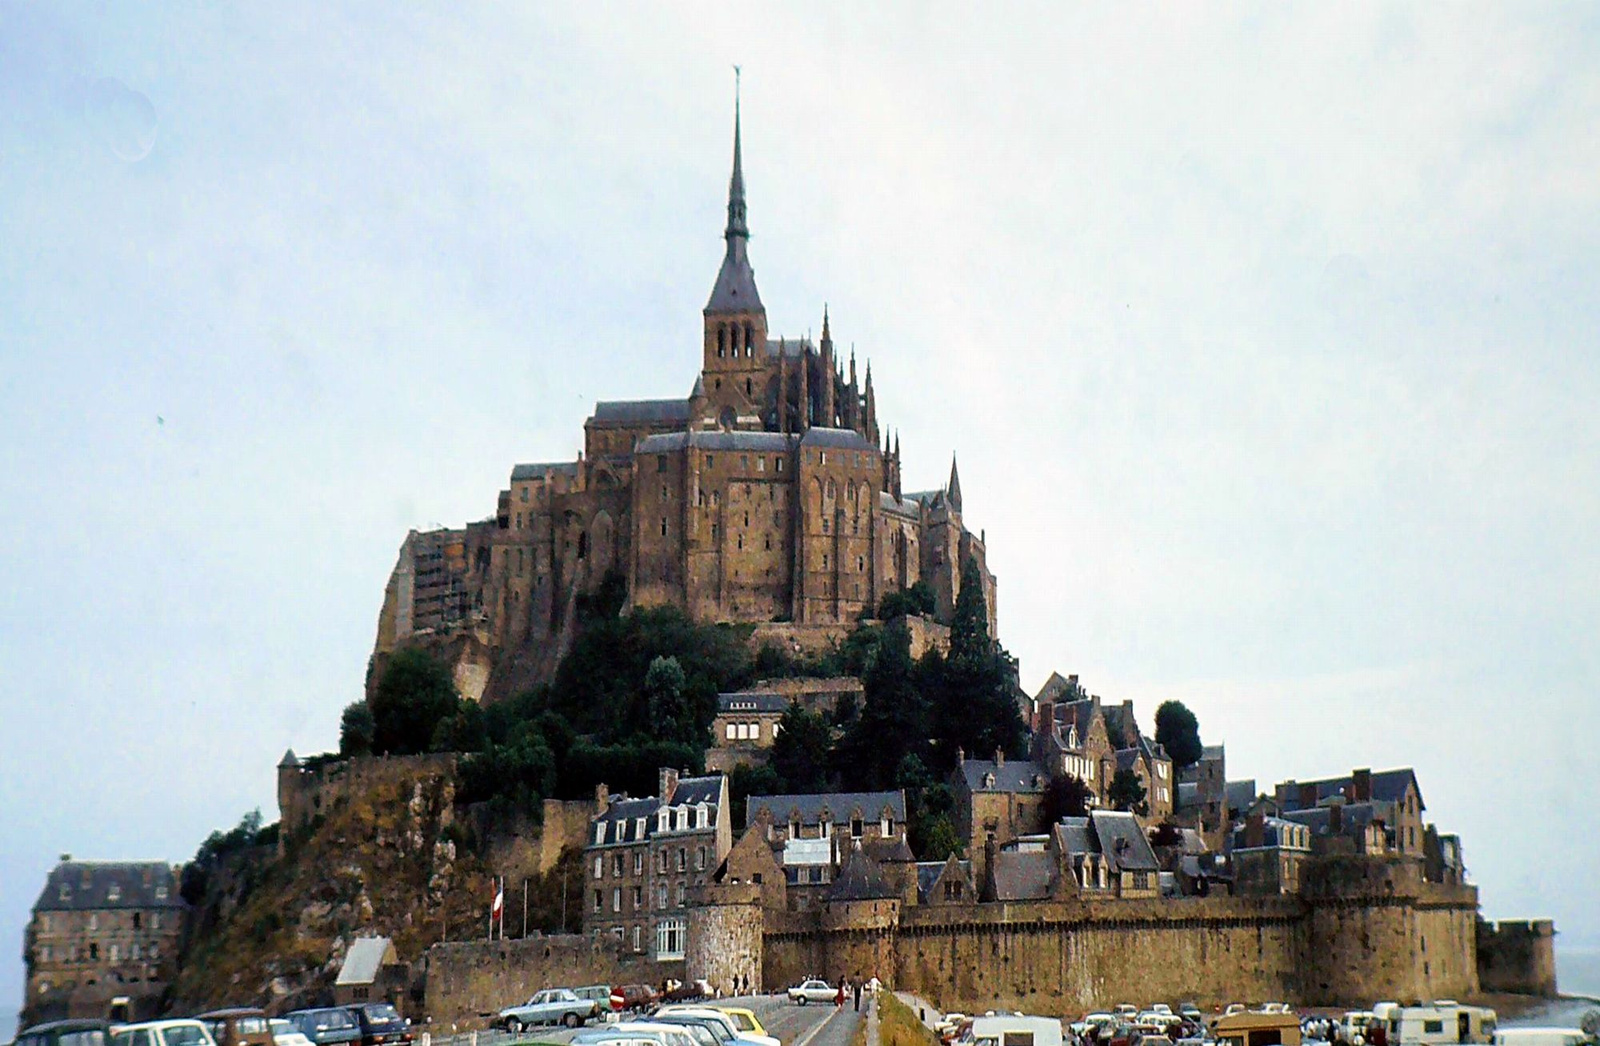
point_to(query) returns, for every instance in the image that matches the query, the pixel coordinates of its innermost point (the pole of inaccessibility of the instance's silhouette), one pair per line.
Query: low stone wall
(469, 981)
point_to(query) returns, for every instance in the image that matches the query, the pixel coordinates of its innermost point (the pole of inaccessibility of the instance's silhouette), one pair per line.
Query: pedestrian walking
(858, 996)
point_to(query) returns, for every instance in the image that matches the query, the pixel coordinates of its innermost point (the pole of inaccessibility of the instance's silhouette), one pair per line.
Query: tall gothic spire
(954, 490)
(737, 225)
(735, 289)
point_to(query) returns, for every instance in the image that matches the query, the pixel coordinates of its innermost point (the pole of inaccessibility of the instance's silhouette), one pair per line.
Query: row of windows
(619, 861)
(729, 340)
(748, 731)
(137, 920)
(828, 829)
(113, 953)
(681, 893)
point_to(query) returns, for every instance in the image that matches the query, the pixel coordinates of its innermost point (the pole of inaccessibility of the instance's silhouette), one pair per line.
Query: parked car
(285, 1033)
(635, 996)
(327, 1026)
(749, 1025)
(691, 991)
(239, 1026)
(551, 1006)
(380, 1023)
(812, 990)
(636, 1032)
(162, 1033)
(600, 993)
(65, 1033)
(708, 1030)
(725, 1020)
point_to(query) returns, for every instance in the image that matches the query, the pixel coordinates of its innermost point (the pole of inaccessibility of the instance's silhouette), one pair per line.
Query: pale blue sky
(1267, 339)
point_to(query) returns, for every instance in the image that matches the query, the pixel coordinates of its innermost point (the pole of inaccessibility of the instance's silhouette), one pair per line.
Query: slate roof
(735, 289)
(1271, 833)
(641, 412)
(1188, 794)
(77, 886)
(718, 440)
(1054, 688)
(1319, 818)
(1079, 714)
(859, 880)
(365, 958)
(889, 851)
(1016, 775)
(1022, 876)
(540, 470)
(790, 347)
(1123, 841)
(848, 439)
(1240, 794)
(1074, 836)
(1387, 785)
(621, 819)
(928, 873)
(752, 702)
(904, 506)
(839, 806)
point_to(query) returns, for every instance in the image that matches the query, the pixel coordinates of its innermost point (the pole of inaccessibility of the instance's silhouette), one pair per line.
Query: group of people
(845, 988)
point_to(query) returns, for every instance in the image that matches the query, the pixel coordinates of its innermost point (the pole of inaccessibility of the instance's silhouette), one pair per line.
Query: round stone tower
(724, 937)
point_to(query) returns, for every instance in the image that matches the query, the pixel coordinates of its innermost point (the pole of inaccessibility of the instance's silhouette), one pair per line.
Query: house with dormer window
(645, 856)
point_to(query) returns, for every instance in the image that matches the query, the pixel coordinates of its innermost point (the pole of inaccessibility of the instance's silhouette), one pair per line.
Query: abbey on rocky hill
(764, 495)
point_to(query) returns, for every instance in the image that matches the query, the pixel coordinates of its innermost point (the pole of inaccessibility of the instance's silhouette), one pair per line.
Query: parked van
(162, 1033)
(1012, 1030)
(1254, 1028)
(81, 1032)
(1540, 1037)
(1441, 1024)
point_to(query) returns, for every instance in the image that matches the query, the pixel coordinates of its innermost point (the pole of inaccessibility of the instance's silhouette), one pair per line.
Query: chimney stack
(961, 757)
(602, 798)
(1361, 785)
(669, 783)
(1255, 830)
(999, 757)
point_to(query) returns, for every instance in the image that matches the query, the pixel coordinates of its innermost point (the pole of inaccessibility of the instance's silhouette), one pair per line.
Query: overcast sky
(1267, 340)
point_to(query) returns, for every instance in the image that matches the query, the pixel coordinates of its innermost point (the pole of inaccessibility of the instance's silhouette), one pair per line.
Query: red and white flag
(498, 910)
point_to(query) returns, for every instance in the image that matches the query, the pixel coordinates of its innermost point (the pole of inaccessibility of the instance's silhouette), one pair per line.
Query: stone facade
(1517, 957)
(769, 493)
(467, 980)
(102, 934)
(1364, 929)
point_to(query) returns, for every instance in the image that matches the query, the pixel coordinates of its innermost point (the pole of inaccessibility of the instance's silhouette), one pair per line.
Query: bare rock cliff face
(380, 859)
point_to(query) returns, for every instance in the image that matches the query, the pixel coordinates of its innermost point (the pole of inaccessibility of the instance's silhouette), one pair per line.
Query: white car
(723, 1020)
(813, 989)
(284, 1033)
(162, 1033)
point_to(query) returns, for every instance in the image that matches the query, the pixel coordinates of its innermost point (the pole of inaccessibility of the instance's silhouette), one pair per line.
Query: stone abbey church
(770, 493)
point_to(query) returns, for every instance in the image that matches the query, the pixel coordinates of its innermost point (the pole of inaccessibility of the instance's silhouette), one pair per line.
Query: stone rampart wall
(469, 981)
(304, 792)
(1517, 957)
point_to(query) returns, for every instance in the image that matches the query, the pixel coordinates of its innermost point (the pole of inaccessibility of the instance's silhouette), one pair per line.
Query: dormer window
(65, 892)
(693, 818)
(988, 780)
(114, 893)
(599, 833)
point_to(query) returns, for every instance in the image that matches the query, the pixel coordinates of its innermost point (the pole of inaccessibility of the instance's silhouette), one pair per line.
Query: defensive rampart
(469, 981)
(1517, 957)
(1362, 930)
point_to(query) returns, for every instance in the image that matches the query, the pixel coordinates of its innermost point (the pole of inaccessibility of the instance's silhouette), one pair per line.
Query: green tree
(466, 731)
(1127, 792)
(1178, 731)
(670, 715)
(1065, 795)
(975, 704)
(800, 751)
(746, 780)
(893, 719)
(932, 832)
(355, 729)
(413, 697)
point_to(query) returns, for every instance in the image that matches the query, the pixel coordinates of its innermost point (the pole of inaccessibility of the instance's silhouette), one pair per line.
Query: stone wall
(1366, 929)
(1517, 957)
(469, 981)
(304, 792)
(724, 931)
(566, 823)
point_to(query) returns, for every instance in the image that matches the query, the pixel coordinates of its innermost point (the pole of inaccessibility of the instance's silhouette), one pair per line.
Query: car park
(724, 1020)
(749, 1025)
(636, 1032)
(239, 1026)
(65, 1033)
(812, 989)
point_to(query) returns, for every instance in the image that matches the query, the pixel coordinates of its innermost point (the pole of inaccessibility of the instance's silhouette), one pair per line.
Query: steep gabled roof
(77, 886)
(366, 957)
(839, 806)
(1123, 841)
(859, 880)
(640, 412)
(1015, 775)
(1023, 876)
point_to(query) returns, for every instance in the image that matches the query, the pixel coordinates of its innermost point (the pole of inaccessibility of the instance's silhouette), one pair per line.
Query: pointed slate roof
(955, 485)
(735, 289)
(859, 880)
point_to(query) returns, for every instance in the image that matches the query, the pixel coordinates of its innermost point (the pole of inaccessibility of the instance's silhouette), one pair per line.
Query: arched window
(749, 339)
(749, 389)
(722, 340)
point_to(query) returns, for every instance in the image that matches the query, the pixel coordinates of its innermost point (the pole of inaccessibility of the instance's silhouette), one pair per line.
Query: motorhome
(1012, 1030)
(1443, 1023)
